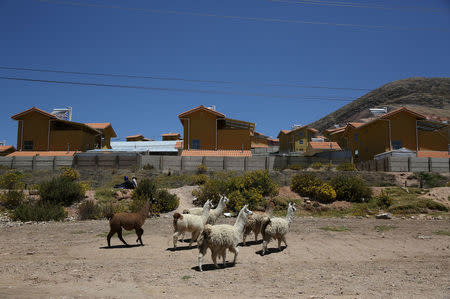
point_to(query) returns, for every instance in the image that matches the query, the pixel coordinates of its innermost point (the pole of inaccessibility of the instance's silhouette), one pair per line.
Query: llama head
(292, 207)
(208, 204)
(224, 199)
(246, 211)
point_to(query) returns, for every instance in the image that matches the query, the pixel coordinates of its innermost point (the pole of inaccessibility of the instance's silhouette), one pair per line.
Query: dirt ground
(69, 260)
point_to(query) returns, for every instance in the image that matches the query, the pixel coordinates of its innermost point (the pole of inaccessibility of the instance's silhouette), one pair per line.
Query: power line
(359, 5)
(254, 19)
(204, 91)
(182, 79)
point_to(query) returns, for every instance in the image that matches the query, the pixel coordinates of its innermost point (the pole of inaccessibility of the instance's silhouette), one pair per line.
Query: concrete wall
(36, 163)
(407, 164)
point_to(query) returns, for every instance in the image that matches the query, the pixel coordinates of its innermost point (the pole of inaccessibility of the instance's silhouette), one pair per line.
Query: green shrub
(70, 173)
(350, 188)
(302, 183)
(417, 206)
(146, 189)
(199, 179)
(383, 200)
(201, 169)
(347, 166)
(39, 211)
(322, 193)
(60, 190)
(316, 165)
(166, 202)
(12, 199)
(249, 188)
(431, 179)
(328, 166)
(88, 209)
(12, 180)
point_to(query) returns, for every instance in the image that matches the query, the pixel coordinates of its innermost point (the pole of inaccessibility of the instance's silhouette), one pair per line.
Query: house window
(396, 144)
(300, 134)
(195, 144)
(28, 145)
(301, 141)
(356, 137)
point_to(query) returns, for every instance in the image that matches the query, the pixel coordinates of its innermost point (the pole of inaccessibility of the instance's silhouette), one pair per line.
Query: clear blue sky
(48, 35)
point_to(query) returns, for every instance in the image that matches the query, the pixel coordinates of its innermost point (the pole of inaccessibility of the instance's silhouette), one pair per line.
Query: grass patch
(78, 232)
(186, 277)
(124, 233)
(335, 228)
(383, 228)
(442, 233)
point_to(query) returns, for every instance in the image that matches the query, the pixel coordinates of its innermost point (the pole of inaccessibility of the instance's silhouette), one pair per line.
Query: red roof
(325, 145)
(32, 109)
(171, 134)
(42, 153)
(433, 154)
(201, 108)
(218, 153)
(5, 148)
(102, 126)
(259, 145)
(355, 124)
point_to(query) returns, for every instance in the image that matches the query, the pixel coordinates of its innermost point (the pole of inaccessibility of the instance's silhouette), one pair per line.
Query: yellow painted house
(206, 129)
(296, 140)
(41, 131)
(400, 128)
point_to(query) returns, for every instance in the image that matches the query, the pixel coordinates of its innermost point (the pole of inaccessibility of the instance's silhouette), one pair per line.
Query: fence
(406, 164)
(161, 163)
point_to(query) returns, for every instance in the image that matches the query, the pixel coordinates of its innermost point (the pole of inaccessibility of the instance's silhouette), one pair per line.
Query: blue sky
(50, 35)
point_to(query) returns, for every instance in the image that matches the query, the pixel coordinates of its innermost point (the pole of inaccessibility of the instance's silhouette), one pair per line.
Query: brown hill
(430, 96)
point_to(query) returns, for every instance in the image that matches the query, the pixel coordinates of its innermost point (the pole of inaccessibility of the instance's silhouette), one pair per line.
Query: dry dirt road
(56, 260)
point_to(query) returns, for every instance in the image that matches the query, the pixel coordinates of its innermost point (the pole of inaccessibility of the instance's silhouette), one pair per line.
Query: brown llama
(128, 221)
(255, 221)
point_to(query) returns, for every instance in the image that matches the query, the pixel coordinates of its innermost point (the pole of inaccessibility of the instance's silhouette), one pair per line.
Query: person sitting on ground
(127, 184)
(134, 181)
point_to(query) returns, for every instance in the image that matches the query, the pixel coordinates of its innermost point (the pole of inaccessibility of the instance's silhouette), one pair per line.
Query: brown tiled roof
(259, 145)
(4, 148)
(135, 136)
(171, 134)
(325, 145)
(102, 126)
(218, 153)
(331, 130)
(201, 108)
(433, 154)
(16, 116)
(340, 130)
(355, 124)
(42, 153)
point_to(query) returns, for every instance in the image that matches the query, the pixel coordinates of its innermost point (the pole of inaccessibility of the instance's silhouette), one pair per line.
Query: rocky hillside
(429, 96)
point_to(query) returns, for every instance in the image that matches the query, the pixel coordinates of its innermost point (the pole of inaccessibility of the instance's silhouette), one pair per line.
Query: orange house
(400, 128)
(207, 129)
(138, 137)
(107, 133)
(41, 131)
(170, 136)
(297, 139)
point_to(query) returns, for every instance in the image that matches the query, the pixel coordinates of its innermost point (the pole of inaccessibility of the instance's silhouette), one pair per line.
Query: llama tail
(177, 216)
(265, 223)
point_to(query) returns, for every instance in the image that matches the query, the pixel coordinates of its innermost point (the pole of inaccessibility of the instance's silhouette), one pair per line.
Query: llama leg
(224, 257)
(214, 258)
(235, 250)
(200, 261)
(284, 240)
(119, 234)
(139, 233)
(194, 237)
(256, 235)
(111, 233)
(264, 247)
(175, 239)
(279, 243)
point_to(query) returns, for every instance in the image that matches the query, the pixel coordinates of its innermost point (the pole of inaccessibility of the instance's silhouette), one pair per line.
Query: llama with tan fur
(214, 214)
(221, 237)
(254, 222)
(190, 223)
(128, 221)
(277, 228)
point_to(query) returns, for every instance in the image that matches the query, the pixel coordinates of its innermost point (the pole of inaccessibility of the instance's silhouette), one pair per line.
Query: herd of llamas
(219, 238)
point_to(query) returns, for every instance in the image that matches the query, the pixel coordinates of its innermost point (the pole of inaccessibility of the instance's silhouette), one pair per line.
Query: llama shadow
(181, 248)
(250, 243)
(271, 250)
(121, 246)
(211, 267)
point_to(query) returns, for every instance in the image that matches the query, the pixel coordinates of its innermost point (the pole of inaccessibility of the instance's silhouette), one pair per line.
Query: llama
(190, 223)
(128, 221)
(213, 214)
(221, 237)
(254, 222)
(277, 228)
